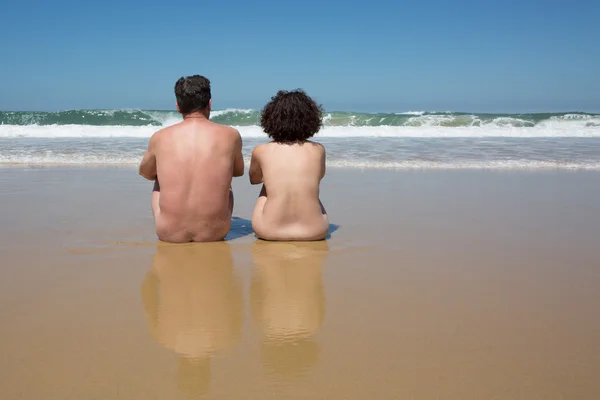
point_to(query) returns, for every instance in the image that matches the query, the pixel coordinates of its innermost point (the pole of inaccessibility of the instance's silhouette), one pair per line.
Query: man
(193, 163)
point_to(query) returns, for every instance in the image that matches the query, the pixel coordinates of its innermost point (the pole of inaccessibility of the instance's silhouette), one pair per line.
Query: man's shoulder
(225, 128)
(168, 129)
(158, 135)
(161, 134)
(216, 125)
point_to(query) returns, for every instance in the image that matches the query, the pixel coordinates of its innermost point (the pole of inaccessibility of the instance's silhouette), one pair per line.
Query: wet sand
(433, 284)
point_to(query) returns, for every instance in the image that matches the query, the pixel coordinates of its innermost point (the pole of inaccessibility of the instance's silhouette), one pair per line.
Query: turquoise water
(251, 117)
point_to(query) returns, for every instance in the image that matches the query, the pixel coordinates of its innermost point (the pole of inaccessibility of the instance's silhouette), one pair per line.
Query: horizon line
(411, 112)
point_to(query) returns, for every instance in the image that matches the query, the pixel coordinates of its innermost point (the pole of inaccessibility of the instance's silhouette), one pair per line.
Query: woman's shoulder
(289, 147)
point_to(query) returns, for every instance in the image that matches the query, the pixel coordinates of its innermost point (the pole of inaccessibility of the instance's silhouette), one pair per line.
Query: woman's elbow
(146, 174)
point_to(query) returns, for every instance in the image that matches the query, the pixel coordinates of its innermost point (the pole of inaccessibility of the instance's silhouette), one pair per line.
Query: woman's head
(291, 117)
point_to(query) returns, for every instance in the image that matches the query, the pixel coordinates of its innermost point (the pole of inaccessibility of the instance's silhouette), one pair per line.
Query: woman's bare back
(289, 207)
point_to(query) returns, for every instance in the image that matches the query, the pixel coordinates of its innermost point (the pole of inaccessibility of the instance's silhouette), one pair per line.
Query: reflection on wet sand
(193, 304)
(288, 304)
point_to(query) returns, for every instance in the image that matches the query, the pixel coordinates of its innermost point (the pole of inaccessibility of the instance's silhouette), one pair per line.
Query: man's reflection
(193, 304)
(288, 304)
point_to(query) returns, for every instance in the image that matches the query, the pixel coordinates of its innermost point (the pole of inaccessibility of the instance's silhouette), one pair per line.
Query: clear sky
(442, 55)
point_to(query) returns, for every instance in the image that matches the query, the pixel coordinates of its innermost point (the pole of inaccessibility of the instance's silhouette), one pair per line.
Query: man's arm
(255, 171)
(238, 161)
(148, 164)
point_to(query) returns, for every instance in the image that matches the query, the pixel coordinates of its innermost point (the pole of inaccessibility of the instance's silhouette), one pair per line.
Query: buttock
(318, 229)
(168, 231)
(180, 230)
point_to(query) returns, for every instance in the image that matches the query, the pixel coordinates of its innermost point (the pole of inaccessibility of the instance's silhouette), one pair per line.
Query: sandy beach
(433, 284)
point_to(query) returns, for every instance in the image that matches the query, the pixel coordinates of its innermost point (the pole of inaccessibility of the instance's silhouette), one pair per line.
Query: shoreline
(381, 153)
(542, 168)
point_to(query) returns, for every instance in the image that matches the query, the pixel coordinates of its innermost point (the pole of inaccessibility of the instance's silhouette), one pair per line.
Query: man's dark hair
(192, 93)
(291, 117)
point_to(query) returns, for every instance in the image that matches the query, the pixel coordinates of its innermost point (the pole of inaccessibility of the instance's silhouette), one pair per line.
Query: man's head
(193, 94)
(291, 117)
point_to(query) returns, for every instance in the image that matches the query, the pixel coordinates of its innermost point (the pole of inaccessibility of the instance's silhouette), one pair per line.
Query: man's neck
(196, 115)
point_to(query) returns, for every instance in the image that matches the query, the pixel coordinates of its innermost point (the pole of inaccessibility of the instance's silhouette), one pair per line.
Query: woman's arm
(255, 170)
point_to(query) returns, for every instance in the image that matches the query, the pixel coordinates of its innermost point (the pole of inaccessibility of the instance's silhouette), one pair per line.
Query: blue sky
(480, 56)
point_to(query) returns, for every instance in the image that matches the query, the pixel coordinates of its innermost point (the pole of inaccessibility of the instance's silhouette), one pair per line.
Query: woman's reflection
(193, 304)
(288, 304)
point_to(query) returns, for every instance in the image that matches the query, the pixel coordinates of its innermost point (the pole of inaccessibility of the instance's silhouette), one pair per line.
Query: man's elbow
(238, 172)
(238, 167)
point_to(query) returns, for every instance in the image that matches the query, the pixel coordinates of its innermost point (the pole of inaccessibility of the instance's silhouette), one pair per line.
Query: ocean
(407, 140)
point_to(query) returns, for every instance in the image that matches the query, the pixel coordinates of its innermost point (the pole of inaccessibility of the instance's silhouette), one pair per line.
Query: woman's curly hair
(291, 117)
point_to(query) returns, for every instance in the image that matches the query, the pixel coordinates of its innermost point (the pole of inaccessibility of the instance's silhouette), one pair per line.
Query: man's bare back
(193, 163)
(289, 207)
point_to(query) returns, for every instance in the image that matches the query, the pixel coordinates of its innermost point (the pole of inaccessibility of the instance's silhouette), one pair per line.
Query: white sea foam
(411, 113)
(572, 121)
(554, 128)
(465, 164)
(217, 113)
(132, 160)
(424, 141)
(75, 131)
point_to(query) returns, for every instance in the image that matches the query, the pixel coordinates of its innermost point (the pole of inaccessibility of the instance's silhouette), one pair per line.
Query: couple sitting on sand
(196, 160)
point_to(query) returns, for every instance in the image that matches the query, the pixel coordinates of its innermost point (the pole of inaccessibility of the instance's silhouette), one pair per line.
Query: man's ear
(177, 105)
(209, 105)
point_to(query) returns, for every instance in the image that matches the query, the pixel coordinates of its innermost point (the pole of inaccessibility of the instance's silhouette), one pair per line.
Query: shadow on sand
(332, 228)
(241, 227)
